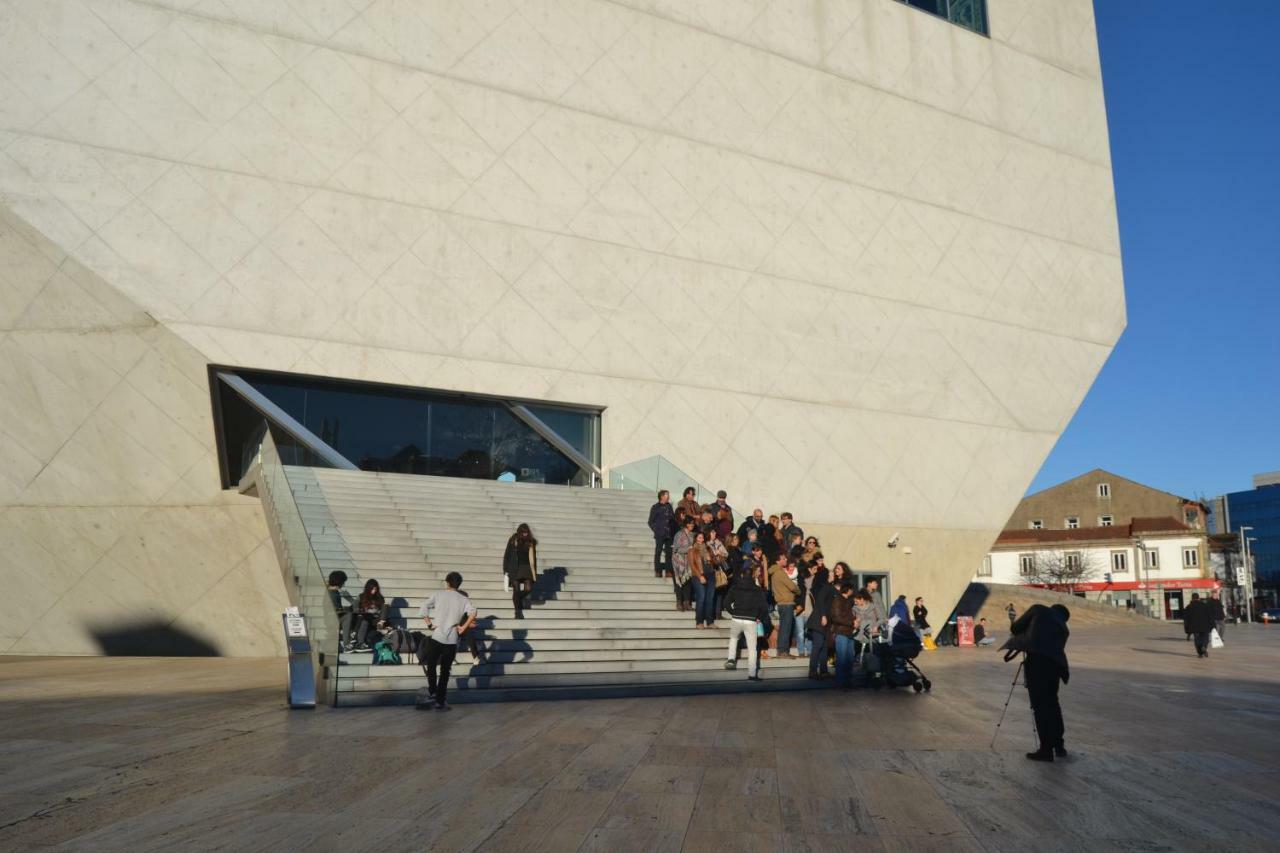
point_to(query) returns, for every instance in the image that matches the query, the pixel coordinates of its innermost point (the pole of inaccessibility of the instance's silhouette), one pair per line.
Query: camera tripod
(1009, 699)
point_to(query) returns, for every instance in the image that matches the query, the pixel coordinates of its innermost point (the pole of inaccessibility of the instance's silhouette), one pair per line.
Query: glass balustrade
(305, 580)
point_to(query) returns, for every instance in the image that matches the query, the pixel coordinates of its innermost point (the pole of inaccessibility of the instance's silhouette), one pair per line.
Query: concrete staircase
(602, 624)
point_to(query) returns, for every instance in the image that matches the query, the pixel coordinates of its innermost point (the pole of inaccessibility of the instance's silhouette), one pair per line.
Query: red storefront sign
(964, 630)
(1122, 586)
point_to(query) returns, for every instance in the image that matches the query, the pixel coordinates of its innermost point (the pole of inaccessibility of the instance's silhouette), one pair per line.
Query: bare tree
(1064, 569)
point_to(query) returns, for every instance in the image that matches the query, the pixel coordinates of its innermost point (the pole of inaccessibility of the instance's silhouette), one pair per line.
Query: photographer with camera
(1041, 635)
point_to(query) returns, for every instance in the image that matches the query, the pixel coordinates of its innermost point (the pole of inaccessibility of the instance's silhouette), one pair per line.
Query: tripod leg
(1000, 722)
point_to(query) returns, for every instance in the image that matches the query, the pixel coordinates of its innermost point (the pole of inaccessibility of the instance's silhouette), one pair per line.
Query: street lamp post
(1248, 568)
(1248, 581)
(1146, 570)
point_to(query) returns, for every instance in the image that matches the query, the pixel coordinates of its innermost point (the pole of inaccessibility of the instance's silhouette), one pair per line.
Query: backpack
(384, 654)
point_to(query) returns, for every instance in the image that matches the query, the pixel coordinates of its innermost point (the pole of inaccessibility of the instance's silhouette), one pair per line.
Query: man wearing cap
(722, 504)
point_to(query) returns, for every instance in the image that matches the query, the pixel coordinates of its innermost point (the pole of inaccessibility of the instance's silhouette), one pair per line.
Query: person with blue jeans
(843, 623)
(704, 582)
(785, 588)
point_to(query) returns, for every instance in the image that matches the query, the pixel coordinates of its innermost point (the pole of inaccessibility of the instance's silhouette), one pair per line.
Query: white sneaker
(475, 660)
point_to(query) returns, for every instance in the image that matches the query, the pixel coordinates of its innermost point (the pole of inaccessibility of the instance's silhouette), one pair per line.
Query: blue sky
(1190, 399)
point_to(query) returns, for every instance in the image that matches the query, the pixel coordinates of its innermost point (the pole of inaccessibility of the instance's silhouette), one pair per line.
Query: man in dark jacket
(844, 622)
(662, 521)
(818, 625)
(1041, 634)
(755, 522)
(1219, 614)
(920, 616)
(747, 609)
(1198, 621)
(790, 529)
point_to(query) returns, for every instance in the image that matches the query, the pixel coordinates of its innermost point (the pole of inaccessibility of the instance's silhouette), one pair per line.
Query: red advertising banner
(964, 630)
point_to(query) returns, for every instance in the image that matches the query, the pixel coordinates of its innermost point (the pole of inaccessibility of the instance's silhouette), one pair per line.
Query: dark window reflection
(937, 7)
(410, 432)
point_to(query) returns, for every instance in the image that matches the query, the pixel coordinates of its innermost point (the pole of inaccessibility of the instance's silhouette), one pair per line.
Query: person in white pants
(747, 608)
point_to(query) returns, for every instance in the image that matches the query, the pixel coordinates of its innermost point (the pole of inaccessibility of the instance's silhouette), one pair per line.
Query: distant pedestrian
(1197, 619)
(980, 636)
(448, 615)
(748, 610)
(1013, 615)
(1219, 614)
(662, 521)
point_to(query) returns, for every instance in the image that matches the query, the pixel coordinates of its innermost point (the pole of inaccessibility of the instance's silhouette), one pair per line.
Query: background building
(851, 260)
(1259, 511)
(1111, 539)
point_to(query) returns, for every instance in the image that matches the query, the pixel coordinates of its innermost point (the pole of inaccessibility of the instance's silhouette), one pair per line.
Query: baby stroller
(897, 659)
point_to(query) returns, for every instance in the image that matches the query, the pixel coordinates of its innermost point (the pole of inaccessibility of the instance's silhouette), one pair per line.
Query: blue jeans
(817, 651)
(704, 603)
(802, 636)
(844, 660)
(786, 628)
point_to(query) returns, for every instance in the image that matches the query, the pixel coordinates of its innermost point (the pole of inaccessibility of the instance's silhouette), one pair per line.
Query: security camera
(893, 543)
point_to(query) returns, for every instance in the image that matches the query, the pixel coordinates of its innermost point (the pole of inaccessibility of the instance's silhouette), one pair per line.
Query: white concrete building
(851, 260)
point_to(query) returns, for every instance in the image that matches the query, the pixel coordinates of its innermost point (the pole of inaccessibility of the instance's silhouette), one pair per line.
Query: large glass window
(970, 14)
(412, 431)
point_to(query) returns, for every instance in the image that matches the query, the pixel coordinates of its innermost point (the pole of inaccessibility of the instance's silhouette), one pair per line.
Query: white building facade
(1152, 565)
(850, 260)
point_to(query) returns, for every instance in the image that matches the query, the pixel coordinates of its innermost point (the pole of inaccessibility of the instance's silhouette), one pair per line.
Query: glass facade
(970, 14)
(408, 431)
(1259, 509)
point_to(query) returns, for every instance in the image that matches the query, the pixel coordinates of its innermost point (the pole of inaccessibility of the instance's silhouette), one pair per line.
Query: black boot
(1059, 751)
(1041, 754)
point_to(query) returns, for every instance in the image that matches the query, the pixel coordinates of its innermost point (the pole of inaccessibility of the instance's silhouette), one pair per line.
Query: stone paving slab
(1169, 752)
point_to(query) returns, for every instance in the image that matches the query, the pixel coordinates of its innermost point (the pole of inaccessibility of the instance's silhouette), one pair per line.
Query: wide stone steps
(602, 624)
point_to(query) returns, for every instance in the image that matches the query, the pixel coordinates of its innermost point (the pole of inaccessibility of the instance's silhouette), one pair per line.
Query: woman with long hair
(520, 565)
(732, 566)
(702, 568)
(371, 608)
(681, 576)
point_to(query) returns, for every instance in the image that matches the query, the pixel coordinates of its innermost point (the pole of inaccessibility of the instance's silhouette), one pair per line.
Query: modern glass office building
(1258, 509)
(854, 260)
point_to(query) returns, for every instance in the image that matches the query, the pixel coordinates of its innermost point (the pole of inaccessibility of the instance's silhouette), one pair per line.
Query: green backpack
(384, 654)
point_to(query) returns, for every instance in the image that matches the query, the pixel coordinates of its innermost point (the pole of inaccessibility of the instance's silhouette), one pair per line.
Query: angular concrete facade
(842, 258)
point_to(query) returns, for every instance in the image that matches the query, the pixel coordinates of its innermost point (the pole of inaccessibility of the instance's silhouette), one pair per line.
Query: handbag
(1215, 639)
(722, 579)
(759, 629)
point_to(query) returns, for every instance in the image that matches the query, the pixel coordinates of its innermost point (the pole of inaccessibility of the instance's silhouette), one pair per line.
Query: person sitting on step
(371, 608)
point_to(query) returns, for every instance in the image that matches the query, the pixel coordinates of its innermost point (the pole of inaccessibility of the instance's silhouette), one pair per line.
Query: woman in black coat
(520, 565)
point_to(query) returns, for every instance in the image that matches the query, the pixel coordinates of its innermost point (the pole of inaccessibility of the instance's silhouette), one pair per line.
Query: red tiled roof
(1159, 525)
(1119, 533)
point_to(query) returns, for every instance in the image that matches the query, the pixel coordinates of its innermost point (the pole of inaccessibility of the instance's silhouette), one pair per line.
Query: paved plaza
(1168, 753)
